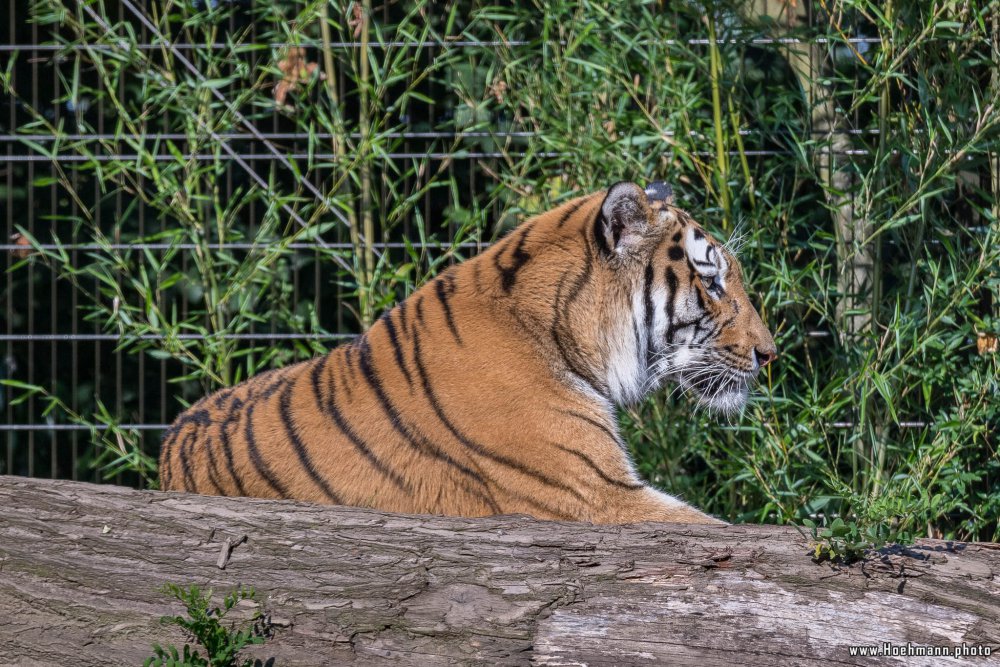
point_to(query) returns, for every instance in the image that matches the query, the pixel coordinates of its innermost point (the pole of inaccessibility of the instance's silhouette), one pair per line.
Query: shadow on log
(81, 565)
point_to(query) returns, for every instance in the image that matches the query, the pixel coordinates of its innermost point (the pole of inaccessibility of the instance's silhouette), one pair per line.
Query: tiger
(493, 388)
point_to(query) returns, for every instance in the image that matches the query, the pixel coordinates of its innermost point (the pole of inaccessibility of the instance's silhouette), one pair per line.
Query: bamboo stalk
(364, 125)
(342, 185)
(721, 154)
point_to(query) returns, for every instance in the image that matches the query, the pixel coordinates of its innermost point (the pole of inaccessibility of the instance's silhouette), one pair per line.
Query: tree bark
(81, 565)
(857, 272)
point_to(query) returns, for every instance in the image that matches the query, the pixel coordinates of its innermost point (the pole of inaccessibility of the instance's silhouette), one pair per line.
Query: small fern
(203, 623)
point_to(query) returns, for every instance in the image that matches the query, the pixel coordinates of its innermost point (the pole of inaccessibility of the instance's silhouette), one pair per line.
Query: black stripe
(420, 312)
(197, 419)
(349, 357)
(213, 470)
(647, 293)
(668, 307)
(600, 238)
(227, 448)
(593, 422)
(729, 355)
(562, 337)
(188, 479)
(345, 382)
(640, 338)
(255, 383)
(222, 396)
(711, 331)
(647, 299)
(570, 211)
(404, 325)
(508, 274)
(193, 415)
(700, 340)
(279, 381)
(258, 461)
(329, 407)
(699, 298)
(530, 501)
(416, 439)
(680, 325)
(204, 421)
(316, 373)
(285, 412)
(717, 326)
(474, 445)
(477, 270)
(600, 473)
(444, 287)
(733, 359)
(397, 350)
(167, 450)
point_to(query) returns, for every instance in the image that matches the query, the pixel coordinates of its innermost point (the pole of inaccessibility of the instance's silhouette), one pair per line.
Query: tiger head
(621, 292)
(688, 311)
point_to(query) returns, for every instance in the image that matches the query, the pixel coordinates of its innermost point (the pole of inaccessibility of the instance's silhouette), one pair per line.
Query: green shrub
(203, 623)
(880, 391)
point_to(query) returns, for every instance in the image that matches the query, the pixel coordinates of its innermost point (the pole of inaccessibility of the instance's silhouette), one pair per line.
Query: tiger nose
(766, 356)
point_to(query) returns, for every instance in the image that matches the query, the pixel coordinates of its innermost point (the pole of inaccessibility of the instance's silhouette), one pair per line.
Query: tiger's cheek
(691, 303)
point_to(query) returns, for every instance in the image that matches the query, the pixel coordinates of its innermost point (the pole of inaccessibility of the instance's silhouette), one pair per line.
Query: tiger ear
(660, 192)
(623, 219)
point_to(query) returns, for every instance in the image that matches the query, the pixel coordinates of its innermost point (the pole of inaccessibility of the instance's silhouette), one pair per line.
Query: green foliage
(843, 541)
(117, 450)
(544, 101)
(204, 624)
(880, 522)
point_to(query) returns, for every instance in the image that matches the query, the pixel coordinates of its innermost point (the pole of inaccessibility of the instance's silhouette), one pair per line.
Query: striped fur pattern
(492, 389)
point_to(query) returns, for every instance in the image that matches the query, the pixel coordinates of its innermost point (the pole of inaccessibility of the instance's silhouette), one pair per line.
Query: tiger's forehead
(662, 208)
(674, 216)
(686, 224)
(667, 212)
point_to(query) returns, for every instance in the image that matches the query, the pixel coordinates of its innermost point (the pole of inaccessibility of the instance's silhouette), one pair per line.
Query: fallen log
(81, 565)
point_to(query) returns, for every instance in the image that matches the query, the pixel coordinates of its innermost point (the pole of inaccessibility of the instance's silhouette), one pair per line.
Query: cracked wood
(80, 566)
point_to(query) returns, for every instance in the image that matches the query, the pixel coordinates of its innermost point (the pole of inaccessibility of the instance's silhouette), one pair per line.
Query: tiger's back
(489, 390)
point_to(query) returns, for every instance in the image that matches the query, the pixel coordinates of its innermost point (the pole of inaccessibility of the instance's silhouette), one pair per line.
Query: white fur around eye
(707, 259)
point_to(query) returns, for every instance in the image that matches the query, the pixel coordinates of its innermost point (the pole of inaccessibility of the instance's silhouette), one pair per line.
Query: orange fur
(492, 388)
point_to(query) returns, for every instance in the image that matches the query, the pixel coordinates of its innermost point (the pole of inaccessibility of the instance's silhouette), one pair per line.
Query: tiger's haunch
(491, 390)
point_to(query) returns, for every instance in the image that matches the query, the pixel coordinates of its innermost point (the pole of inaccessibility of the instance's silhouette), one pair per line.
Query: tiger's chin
(725, 393)
(729, 402)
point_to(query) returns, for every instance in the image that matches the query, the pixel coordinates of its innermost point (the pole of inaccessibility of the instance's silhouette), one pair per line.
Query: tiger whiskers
(688, 377)
(663, 365)
(724, 389)
(738, 238)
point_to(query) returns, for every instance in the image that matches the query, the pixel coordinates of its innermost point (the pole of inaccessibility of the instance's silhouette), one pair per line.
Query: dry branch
(80, 566)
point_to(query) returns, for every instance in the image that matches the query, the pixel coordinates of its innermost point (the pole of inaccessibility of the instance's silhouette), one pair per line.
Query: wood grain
(81, 564)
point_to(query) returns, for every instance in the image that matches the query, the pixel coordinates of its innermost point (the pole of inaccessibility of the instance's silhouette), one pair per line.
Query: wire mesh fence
(47, 338)
(446, 153)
